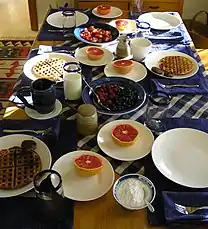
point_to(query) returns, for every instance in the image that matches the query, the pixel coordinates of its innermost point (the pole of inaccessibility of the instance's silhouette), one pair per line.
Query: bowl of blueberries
(114, 95)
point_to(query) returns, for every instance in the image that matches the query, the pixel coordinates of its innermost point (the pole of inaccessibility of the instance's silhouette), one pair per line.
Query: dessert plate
(160, 21)
(82, 57)
(138, 72)
(81, 188)
(57, 19)
(152, 60)
(130, 29)
(181, 155)
(36, 115)
(138, 150)
(114, 13)
(42, 150)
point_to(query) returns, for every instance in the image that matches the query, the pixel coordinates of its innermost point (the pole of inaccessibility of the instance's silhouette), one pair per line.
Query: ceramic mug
(43, 93)
(140, 48)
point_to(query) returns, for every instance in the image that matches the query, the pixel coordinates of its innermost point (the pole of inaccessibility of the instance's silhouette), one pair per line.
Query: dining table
(105, 212)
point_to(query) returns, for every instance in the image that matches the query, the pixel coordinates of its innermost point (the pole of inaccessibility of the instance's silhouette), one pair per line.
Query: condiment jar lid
(86, 110)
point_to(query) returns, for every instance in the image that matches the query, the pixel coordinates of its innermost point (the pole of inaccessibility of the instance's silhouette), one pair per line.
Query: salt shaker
(123, 48)
(87, 120)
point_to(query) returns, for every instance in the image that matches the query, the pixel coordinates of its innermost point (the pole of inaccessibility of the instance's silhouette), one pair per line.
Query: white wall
(191, 7)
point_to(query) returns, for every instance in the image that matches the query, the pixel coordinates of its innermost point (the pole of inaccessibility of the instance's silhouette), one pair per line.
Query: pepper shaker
(123, 48)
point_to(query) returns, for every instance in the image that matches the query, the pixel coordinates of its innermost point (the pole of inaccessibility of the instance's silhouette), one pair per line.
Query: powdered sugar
(131, 193)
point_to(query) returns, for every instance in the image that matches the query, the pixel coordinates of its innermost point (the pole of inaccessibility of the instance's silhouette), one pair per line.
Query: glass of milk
(72, 81)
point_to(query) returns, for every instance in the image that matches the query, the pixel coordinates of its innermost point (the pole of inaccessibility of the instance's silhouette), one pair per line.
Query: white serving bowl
(148, 187)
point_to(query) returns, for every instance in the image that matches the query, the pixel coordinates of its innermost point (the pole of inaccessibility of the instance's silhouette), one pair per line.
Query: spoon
(96, 95)
(149, 206)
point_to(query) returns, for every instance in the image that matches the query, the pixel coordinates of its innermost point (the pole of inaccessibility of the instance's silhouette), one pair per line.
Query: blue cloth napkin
(31, 213)
(199, 78)
(198, 124)
(45, 35)
(185, 39)
(10, 124)
(161, 182)
(196, 199)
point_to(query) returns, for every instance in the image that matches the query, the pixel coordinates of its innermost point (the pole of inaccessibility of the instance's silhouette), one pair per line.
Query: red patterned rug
(12, 58)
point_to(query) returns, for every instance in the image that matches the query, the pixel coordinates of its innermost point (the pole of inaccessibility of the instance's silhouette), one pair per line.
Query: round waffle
(17, 167)
(51, 68)
(176, 65)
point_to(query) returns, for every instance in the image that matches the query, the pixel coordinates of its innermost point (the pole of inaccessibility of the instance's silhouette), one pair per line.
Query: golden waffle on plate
(6, 159)
(176, 65)
(17, 167)
(51, 68)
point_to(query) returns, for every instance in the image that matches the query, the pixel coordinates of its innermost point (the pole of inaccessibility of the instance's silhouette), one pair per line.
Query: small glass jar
(87, 120)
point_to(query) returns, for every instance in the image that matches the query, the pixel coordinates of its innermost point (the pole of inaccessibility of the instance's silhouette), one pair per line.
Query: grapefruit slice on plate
(88, 165)
(124, 134)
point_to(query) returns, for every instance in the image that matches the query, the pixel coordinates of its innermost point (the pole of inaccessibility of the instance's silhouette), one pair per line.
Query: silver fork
(47, 131)
(188, 210)
(179, 85)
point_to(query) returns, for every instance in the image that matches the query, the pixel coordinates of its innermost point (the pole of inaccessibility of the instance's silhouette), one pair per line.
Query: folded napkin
(54, 124)
(198, 124)
(31, 213)
(191, 199)
(45, 35)
(161, 182)
(199, 78)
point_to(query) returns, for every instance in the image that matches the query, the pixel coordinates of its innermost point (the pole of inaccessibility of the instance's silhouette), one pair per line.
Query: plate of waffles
(21, 158)
(171, 64)
(47, 65)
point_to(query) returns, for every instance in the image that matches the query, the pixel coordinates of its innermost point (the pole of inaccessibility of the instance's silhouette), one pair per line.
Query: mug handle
(22, 98)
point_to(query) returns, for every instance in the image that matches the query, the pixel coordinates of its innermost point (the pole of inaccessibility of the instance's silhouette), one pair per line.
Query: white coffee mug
(140, 48)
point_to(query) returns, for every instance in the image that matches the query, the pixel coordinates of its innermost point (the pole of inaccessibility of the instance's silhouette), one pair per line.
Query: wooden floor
(14, 20)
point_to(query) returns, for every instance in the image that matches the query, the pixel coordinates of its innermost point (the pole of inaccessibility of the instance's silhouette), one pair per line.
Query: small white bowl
(148, 187)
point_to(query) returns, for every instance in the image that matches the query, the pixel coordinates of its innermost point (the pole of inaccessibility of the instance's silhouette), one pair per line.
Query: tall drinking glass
(157, 108)
(49, 193)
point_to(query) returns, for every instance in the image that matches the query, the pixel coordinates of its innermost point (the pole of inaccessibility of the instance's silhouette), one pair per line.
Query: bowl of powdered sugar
(132, 191)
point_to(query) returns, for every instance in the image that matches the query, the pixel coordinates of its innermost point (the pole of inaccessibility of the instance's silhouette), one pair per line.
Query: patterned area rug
(12, 58)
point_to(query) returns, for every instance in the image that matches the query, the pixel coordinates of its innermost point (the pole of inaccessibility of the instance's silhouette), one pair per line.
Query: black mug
(43, 93)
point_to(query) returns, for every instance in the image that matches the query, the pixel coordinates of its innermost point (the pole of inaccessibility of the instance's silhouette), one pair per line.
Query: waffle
(176, 65)
(51, 68)
(18, 167)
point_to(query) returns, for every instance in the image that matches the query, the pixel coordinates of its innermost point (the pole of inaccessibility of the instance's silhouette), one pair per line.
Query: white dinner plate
(82, 57)
(114, 13)
(152, 60)
(36, 115)
(42, 150)
(138, 150)
(181, 155)
(131, 28)
(81, 188)
(28, 66)
(57, 19)
(138, 72)
(160, 21)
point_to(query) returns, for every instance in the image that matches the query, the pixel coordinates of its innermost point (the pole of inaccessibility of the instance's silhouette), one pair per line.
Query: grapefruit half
(124, 134)
(88, 165)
